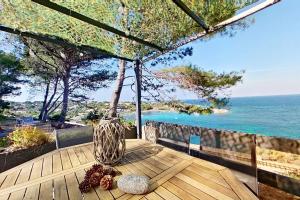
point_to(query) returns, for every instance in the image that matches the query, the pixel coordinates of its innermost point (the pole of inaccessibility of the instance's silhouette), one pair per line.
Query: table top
(173, 175)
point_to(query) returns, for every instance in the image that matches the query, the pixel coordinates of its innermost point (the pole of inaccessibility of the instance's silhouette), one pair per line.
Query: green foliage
(127, 123)
(55, 117)
(29, 136)
(94, 116)
(64, 74)
(160, 22)
(146, 106)
(11, 72)
(206, 84)
(188, 108)
(4, 142)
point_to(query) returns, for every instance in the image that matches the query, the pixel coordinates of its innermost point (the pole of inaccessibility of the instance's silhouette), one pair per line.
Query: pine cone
(95, 178)
(109, 171)
(97, 167)
(89, 173)
(85, 186)
(106, 182)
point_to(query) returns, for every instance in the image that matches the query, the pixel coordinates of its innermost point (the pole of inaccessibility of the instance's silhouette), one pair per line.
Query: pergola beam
(193, 15)
(218, 27)
(61, 42)
(93, 22)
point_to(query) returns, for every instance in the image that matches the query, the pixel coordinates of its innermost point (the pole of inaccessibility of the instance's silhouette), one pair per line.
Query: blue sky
(268, 50)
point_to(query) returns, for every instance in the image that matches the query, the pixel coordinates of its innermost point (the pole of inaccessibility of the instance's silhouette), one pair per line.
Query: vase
(109, 141)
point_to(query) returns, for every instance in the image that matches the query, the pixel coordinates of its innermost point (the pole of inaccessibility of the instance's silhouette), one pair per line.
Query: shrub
(54, 117)
(127, 123)
(4, 142)
(94, 115)
(147, 106)
(29, 136)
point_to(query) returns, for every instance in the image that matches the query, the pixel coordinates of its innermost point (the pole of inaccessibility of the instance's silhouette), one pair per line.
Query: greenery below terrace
(95, 110)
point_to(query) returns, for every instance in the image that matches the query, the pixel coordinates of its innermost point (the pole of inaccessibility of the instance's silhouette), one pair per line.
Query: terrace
(173, 174)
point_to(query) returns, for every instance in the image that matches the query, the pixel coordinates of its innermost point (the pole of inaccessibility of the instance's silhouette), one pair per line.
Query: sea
(266, 115)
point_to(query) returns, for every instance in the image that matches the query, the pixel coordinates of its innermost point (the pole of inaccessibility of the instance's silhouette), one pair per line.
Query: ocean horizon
(266, 115)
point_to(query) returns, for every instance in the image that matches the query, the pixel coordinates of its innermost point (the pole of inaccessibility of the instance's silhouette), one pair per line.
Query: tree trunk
(118, 89)
(43, 109)
(65, 100)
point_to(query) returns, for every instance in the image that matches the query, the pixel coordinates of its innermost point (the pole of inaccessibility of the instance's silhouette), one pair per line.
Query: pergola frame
(137, 62)
(93, 22)
(190, 13)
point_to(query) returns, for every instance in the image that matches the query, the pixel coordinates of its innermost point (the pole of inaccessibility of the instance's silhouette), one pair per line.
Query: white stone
(133, 184)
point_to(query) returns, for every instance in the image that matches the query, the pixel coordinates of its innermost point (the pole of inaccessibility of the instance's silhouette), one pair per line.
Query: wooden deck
(173, 175)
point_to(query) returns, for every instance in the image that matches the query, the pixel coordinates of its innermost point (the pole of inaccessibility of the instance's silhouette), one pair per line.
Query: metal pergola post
(138, 97)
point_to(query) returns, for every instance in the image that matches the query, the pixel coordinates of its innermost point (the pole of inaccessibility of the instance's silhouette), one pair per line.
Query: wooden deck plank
(147, 164)
(47, 165)
(43, 179)
(129, 166)
(65, 160)
(207, 170)
(22, 178)
(130, 169)
(141, 167)
(80, 155)
(72, 186)
(153, 196)
(10, 179)
(210, 191)
(36, 169)
(178, 191)
(157, 163)
(24, 174)
(4, 196)
(104, 194)
(170, 158)
(178, 154)
(168, 164)
(17, 195)
(190, 189)
(208, 164)
(218, 179)
(60, 189)
(89, 155)
(166, 194)
(73, 157)
(2, 178)
(46, 190)
(32, 192)
(168, 174)
(210, 184)
(57, 165)
(240, 189)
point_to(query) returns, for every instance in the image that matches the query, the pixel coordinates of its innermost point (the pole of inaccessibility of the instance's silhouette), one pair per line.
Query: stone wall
(221, 139)
(279, 144)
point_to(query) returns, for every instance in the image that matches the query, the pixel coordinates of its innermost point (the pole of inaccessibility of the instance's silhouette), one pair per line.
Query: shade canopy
(126, 29)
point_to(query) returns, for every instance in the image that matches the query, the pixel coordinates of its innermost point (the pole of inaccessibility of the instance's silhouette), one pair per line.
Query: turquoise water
(269, 115)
